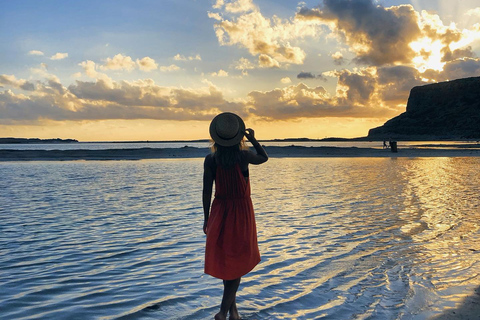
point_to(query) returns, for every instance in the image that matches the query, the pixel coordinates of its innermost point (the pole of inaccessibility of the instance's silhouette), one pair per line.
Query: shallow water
(340, 239)
(197, 144)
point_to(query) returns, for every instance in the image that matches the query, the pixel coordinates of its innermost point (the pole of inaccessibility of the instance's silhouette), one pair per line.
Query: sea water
(340, 238)
(205, 144)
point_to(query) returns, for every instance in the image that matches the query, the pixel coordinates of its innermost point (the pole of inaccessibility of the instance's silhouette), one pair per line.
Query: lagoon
(340, 238)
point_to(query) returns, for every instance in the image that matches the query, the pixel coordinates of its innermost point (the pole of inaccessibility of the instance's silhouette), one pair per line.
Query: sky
(116, 70)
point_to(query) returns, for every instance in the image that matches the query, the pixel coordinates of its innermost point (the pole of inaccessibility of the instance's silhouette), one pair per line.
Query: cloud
(52, 87)
(440, 44)
(397, 48)
(100, 100)
(235, 6)
(40, 71)
(301, 101)
(219, 4)
(473, 12)
(90, 69)
(397, 35)
(363, 93)
(220, 73)
(245, 26)
(456, 69)
(147, 64)
(143, 99)
(122, 93)
(215, 15)
(377, 35)
(265, 61)
(338, 58)
(240, 6)
(395, 82)
(309, 75)
(36, 53)
(462, 68)
(59, 56)
(306, 75)
(119, 62)
(449, 55)
(12, 81)
(244, 64)
(169, 68)
(179, 57)
(373, 92)
(356, 87)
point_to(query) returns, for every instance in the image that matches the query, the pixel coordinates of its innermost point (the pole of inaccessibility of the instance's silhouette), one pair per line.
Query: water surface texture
(340, 239)
(197, 144)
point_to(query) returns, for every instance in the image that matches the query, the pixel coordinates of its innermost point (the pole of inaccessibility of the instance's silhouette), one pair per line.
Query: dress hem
(232, 278)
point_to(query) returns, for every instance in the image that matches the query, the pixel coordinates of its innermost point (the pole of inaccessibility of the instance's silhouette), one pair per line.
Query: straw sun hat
(227, 129)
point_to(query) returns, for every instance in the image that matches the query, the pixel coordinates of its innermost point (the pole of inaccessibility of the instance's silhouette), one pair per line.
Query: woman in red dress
(231, 248)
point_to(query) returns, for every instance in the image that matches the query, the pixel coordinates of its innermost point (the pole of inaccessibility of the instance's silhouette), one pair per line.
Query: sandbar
(192, 152)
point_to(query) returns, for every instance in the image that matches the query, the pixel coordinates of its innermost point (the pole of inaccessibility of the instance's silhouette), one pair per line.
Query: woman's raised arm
(261, 155)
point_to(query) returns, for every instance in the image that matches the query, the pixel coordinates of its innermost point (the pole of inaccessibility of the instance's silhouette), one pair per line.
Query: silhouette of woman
(231, 249)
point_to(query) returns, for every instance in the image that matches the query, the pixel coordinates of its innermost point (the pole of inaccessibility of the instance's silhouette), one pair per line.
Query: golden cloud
(265, 61)
(11, 80)
(220, 73)
(169, 68)
(147, 64)
(59, 56)
(377, 35)
(102, 100)
(179, 57)
(396, 35)
(119, 62)
(261, 36)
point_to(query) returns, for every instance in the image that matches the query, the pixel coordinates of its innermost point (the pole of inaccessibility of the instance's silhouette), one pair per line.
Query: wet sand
(191, 152)
(466, 310)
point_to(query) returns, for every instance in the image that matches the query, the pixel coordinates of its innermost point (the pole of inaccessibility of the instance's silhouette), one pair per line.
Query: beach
(273, 151)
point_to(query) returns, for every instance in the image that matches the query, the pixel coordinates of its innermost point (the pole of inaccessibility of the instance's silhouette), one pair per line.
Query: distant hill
(35, 140)
(446, 110)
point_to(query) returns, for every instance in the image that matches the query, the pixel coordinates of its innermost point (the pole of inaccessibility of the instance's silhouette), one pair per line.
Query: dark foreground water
(340, 239)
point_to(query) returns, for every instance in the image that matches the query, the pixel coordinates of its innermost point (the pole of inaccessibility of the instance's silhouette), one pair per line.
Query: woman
(231, 247)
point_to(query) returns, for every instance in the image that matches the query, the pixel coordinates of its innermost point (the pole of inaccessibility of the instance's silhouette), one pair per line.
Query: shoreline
(192, 152)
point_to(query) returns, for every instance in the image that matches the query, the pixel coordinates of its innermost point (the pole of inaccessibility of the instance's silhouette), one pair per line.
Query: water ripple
(340, 239)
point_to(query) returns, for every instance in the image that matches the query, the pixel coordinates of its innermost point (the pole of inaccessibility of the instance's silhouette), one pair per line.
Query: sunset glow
(428, 55)
(119, 71)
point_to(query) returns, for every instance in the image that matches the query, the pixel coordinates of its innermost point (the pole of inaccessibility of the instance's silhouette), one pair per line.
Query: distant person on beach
(231, 248)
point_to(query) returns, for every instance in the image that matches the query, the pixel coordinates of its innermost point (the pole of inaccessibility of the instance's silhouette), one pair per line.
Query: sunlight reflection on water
(339, 238)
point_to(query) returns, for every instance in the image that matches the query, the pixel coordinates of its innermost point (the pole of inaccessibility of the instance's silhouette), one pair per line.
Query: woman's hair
(228, 156)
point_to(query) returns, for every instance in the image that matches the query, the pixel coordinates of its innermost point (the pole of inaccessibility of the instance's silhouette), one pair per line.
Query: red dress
(231, 249)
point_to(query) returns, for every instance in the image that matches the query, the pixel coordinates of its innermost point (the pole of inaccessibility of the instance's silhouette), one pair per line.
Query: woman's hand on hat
(250, 134)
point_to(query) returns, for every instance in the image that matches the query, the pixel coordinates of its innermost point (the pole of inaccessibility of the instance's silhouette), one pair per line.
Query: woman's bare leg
(228, 301)
(234, 315)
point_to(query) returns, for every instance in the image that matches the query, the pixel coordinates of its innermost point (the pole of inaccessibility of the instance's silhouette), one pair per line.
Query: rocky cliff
(446, 110)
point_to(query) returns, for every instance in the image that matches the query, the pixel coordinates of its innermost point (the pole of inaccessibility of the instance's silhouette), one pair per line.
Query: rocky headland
(440, 111)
